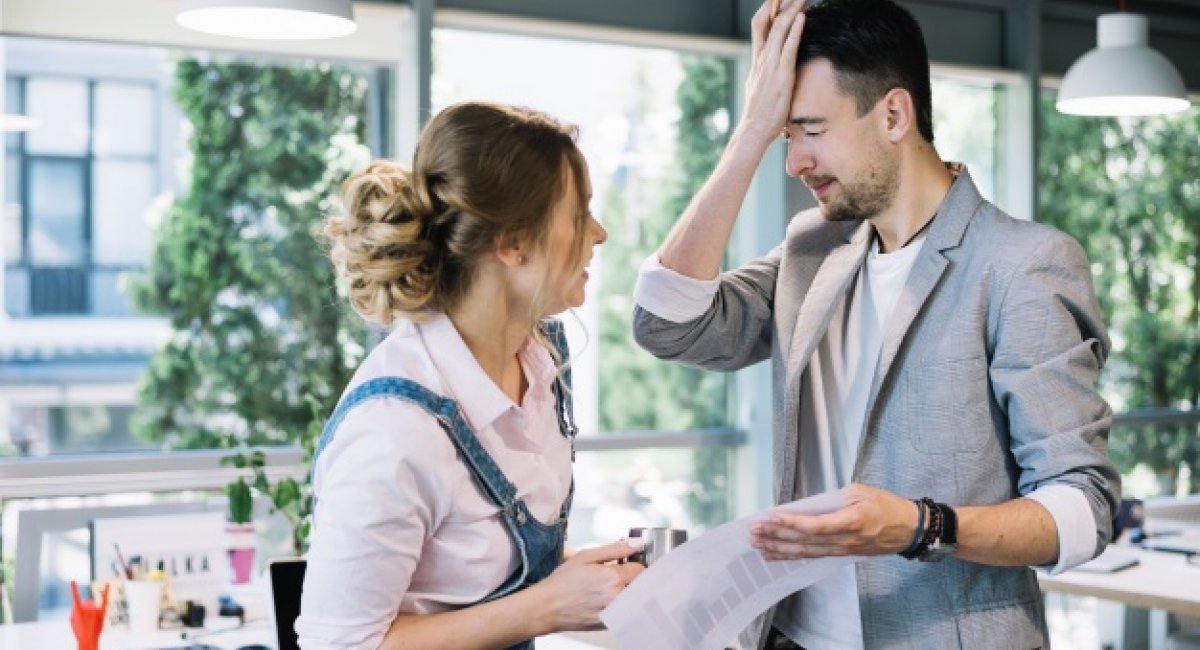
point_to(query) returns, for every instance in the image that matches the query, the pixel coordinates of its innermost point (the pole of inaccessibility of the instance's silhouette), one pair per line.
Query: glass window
(676, 488)
(966, 127)
(1128, 190)
(61, 106)
(235, 158)
(652, 123)
(121, 193)
(57, 208)
(14, 229)
(126, 123)
(626, 102)
(14, 104)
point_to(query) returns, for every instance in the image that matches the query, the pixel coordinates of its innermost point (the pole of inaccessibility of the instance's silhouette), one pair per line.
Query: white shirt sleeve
(671, 295)
(377, 502)
(1075, 522)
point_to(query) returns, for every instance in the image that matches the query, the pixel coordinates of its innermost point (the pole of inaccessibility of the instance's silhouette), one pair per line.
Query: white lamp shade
(269, 19)
(1122, 76)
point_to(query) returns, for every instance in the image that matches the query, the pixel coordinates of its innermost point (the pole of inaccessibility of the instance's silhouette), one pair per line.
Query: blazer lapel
(946, 232)
(923, 277)
(829, 285)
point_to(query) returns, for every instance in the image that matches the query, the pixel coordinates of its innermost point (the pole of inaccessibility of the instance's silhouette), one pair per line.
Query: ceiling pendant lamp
(269, 19)
(1122, 75)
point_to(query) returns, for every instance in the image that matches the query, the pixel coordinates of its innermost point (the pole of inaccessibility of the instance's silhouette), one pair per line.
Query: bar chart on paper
(702, 594)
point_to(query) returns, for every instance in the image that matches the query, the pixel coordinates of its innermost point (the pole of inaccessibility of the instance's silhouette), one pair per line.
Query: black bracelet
(910, 551)
(932, 531)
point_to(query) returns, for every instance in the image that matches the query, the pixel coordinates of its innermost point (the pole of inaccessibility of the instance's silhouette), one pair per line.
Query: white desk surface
(45, 635)
(56, 635)
(1161, 580)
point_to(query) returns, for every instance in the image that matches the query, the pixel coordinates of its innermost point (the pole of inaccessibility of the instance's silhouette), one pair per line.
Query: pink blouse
(400, 526)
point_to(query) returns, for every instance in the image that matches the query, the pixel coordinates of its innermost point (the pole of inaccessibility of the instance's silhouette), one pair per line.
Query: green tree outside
(638, 391)
(258, 325)
(1129, 191)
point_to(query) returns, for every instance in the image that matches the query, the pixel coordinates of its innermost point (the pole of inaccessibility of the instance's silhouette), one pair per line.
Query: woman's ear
(509, 251)
(899, 113)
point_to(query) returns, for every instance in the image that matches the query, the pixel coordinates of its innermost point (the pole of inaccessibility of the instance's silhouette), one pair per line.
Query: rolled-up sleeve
(376, 505)
(1050, 345)
(1074, 521)
(721, 324)
(671, 295)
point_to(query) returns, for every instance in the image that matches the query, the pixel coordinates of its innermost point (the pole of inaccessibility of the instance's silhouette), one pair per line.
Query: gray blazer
(984, 391)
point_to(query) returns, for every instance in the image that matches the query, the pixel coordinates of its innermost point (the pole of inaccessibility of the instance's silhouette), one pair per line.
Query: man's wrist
(939, 538)
(908, 552)
(752, 134)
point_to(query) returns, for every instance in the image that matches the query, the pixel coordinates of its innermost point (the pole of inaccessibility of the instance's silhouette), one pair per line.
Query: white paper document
(703, 593)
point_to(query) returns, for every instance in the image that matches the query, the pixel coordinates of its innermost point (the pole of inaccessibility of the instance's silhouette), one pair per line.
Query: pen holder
(143, 602)
(659, 541)
(87, 618)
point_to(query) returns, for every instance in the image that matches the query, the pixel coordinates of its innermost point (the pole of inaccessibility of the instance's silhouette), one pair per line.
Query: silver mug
(659, 541)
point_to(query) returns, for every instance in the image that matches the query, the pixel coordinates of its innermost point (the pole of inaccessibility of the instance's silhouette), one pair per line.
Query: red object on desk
(87, 618)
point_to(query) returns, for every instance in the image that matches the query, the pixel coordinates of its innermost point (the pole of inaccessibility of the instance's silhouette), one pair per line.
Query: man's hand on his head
(774, 41)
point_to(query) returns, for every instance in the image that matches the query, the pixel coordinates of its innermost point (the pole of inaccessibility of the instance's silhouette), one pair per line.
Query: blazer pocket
(948, 407)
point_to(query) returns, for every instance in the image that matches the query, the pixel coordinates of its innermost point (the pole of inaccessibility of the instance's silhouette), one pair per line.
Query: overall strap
(486, 473)
(552, 329)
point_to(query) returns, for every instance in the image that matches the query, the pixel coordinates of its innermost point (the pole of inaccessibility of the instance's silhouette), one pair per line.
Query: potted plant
(240, 530)
(288, 496)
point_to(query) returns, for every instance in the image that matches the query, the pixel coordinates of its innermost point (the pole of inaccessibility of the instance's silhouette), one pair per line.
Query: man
(935, 359)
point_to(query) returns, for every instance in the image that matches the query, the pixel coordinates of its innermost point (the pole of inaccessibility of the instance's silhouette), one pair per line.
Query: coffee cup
(659, 541)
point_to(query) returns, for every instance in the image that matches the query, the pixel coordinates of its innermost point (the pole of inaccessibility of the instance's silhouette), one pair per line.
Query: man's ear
(899, 113)
(509, 251)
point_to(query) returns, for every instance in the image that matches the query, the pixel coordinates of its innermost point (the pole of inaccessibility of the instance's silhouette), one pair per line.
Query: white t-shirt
(833, 405)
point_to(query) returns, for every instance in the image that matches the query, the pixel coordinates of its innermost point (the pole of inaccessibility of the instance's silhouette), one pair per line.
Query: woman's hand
(586, 583)
(774, 40)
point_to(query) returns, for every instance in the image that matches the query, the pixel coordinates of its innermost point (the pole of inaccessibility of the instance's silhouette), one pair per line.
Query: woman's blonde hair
(409, 240)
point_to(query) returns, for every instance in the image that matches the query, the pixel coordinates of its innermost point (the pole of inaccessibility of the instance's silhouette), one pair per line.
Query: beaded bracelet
(910, 551)
(932, 531)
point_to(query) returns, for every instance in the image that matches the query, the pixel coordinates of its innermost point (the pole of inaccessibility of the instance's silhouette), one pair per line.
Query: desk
(1161, 580)
(56, 635)
(1140, 596)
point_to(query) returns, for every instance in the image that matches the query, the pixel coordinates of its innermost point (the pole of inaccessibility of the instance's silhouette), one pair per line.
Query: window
(153, 229)
(966, 125)
(1129, 191)
(77, 225)
(652, 123)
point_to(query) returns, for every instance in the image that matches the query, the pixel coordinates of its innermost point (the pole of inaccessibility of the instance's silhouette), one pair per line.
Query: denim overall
(540, 546)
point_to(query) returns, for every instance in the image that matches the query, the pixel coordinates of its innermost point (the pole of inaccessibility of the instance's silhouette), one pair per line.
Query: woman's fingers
(609, 552)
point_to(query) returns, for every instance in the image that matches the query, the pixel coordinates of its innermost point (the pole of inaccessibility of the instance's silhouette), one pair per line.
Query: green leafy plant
(262, 343)
(289, 497)
(257, 322)
(241, 501)
(637, 391)
(1129, 191)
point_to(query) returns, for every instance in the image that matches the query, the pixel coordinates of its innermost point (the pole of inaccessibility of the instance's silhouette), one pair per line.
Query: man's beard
(868, 198)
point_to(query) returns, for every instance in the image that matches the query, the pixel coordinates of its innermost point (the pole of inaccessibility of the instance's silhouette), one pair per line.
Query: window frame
(26, 159)
(385, 38)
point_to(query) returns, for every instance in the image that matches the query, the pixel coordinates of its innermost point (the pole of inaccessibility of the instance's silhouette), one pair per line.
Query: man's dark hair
(874, 46)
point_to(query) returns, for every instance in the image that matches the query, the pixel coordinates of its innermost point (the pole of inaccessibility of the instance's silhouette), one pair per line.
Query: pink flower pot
(242, 561)
(241, 551)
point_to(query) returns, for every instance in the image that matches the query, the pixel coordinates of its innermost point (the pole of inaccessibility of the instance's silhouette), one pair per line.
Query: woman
(443, 479)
